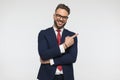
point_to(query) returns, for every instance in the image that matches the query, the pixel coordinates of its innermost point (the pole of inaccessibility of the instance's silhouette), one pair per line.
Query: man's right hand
(69, 41)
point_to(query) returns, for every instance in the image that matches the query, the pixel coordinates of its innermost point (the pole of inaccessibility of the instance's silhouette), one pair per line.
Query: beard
(59, 27)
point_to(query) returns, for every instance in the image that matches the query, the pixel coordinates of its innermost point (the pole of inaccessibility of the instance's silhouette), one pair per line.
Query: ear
(53, 16)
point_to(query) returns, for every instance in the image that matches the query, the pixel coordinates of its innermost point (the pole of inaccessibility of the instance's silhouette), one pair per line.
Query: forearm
(51, 61)
(64, 59)
(49, 53)
(69, 56)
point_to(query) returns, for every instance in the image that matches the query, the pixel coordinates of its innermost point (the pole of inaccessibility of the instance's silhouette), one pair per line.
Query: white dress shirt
(62, 50)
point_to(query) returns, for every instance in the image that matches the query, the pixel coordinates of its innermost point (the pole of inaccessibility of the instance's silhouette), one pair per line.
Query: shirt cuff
(51, 62)
(62, 50)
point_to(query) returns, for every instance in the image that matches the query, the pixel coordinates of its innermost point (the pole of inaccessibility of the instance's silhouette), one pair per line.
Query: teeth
(60, 22)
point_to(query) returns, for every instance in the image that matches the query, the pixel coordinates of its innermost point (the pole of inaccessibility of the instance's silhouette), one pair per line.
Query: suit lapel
(52, 36)
(64, 34)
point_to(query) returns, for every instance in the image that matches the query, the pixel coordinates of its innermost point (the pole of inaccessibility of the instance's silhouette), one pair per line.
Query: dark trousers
(59, 77)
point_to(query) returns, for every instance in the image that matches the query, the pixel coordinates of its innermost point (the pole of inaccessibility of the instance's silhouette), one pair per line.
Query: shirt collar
(56, 29)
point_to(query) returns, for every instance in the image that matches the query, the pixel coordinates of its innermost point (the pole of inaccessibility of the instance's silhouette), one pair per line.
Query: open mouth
(60, 22)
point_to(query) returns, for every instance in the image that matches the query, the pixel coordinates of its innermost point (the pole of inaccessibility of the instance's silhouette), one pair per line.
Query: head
(61, 15)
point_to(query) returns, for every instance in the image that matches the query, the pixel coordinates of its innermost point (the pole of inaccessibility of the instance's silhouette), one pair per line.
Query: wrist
(65, 46)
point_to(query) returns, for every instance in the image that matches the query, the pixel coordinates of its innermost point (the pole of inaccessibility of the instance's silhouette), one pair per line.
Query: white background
(96, 21)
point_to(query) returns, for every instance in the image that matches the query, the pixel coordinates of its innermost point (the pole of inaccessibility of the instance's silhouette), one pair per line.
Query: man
(57, 48)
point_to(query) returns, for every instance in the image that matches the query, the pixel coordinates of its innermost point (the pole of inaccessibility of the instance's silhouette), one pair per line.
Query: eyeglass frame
(60, 16)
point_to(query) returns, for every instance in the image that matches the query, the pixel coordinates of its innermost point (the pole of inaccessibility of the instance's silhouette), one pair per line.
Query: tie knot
(58, 30)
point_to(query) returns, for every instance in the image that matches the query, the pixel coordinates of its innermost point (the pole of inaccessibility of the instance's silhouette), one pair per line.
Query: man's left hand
(44, 61)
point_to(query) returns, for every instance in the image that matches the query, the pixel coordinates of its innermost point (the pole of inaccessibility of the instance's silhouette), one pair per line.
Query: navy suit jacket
(49, 49)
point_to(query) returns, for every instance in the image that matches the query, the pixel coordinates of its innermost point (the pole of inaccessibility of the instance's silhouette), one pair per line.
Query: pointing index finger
(75, 35)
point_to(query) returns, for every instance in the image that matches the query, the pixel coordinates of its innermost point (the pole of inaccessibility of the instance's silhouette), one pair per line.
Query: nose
(61, 18)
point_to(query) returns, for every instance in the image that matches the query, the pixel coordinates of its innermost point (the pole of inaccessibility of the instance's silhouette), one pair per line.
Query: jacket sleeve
(69, 56)
(44, 50)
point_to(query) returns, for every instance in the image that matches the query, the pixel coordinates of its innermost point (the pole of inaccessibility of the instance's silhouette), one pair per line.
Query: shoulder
(70, 33)
(43, 31)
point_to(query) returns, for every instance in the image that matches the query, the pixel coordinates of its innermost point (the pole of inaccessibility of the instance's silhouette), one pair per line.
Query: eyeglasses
(63, 17)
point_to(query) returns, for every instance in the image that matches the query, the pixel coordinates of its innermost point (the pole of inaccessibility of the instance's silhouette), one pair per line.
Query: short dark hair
(63, 6)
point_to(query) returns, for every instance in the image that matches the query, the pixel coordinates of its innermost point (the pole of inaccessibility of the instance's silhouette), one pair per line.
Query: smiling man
(57, 48)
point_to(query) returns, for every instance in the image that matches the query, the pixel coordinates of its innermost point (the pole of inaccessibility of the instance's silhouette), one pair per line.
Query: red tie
(59, 40)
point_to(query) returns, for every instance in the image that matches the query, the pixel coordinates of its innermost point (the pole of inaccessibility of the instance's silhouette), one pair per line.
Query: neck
(58, 27)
